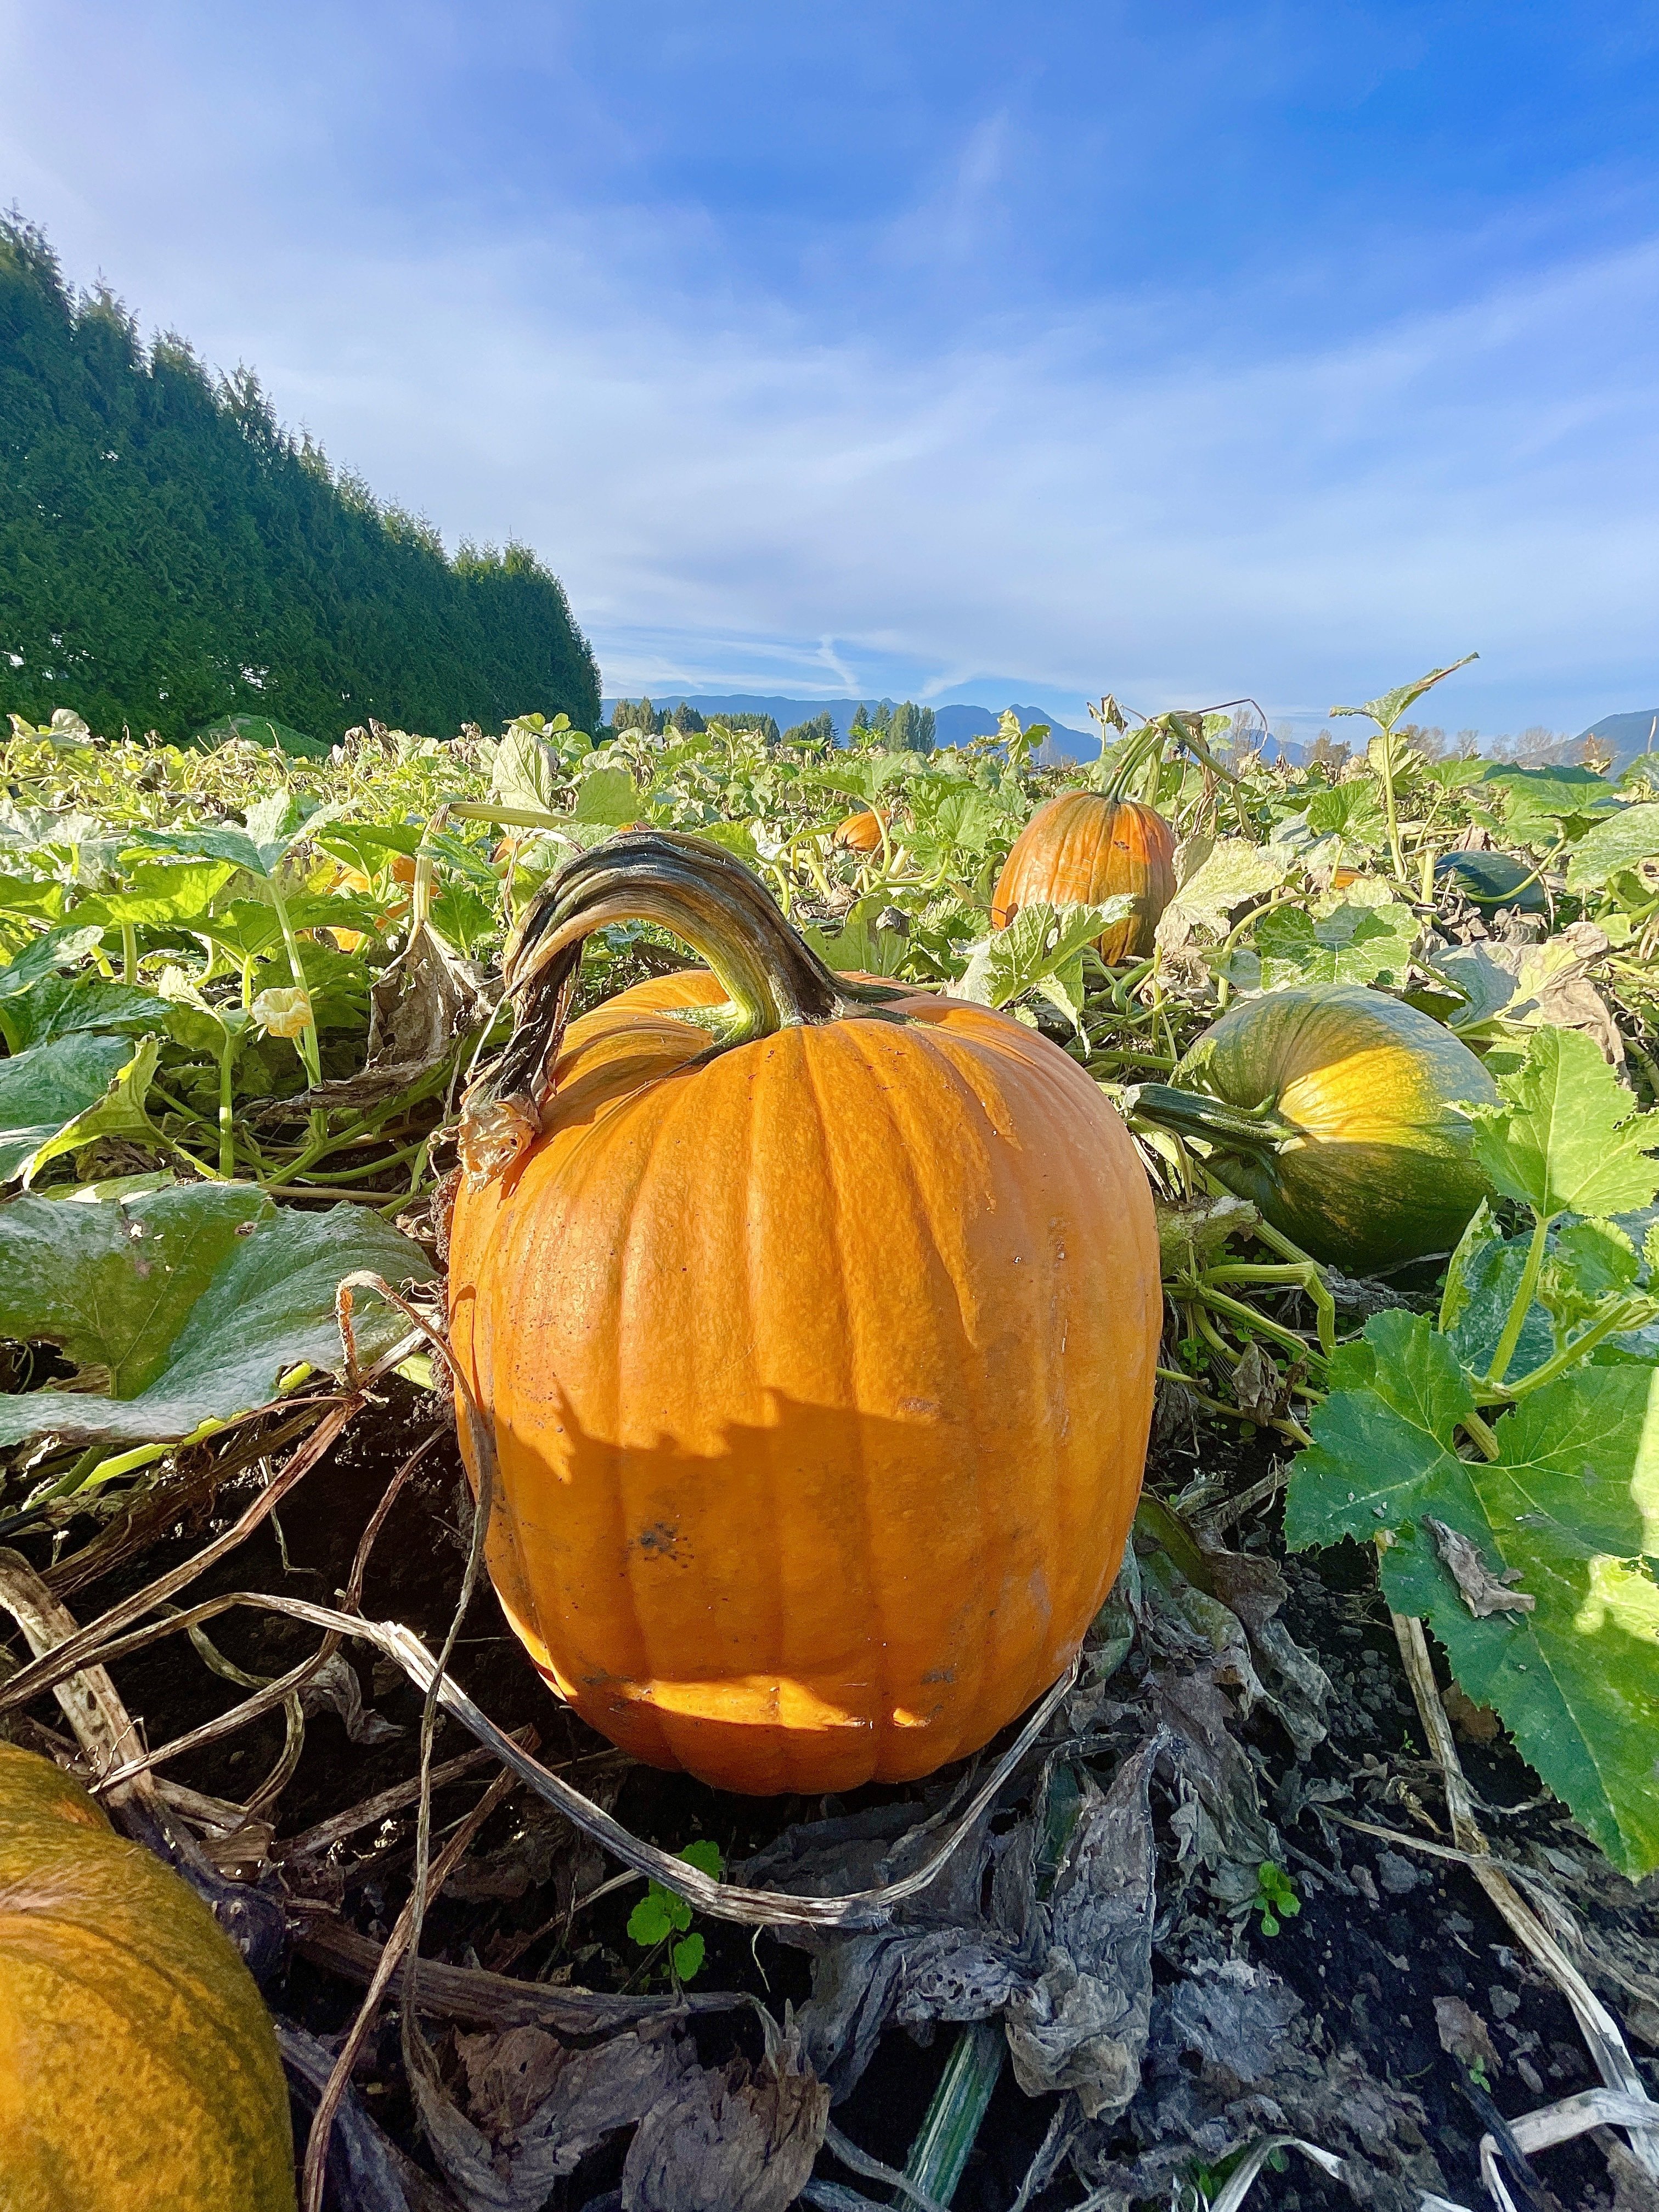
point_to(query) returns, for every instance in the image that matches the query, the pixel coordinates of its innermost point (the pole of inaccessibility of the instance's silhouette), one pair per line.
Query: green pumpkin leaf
(858, 947)
(526, 772)
(609, 795)
(687, 1957)
(1553, 1618)
(1230, 872)
(1397, 1396)
(120, 1112)
(160, 893)
(1353, 943)
(65, 947)
(1042, 946)
(55, 1007)
(1350, 811)
(1481, 1283)
(59, 1096)
(187, 1303)
(1386, 710)
(1617, 841)
(1566, 1138)
(1542, 804)
(272, 828)
(705, 1856)
(863, 776)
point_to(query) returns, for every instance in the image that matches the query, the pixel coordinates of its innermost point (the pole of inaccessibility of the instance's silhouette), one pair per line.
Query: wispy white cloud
(1139, 493)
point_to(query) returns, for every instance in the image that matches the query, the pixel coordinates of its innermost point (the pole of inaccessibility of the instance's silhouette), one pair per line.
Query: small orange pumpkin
(1083, 849)
(783, 1504)
(139, 2067)
(354, 879)
(860, 833)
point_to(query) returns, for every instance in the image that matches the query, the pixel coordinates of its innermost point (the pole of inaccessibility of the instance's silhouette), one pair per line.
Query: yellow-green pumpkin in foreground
(1334, 1107)
(138, 2066)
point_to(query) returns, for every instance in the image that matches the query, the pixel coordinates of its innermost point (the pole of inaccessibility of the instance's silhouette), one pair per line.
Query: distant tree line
(886, 727)
(170, 556)
(905, 728)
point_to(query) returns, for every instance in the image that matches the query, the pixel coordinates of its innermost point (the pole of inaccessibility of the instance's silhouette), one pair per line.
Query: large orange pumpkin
(139, 2067)
(1083, 849)
(815, 1323)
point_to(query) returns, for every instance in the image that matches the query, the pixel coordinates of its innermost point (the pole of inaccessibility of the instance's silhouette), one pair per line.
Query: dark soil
(1381, 1934)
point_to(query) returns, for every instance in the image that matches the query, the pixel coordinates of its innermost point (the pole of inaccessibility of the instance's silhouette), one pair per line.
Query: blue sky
(970, 351)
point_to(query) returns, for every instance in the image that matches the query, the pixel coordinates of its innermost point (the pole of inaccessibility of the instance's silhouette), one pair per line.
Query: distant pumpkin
(1083, 849)
(354, 879)
(860, 833)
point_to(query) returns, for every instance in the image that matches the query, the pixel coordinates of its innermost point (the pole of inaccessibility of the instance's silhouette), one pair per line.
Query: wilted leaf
(195, 1300)
(536, 2107)
(741, 2139)
(1533, 985)
(1483, 1592)
(1082, 2024)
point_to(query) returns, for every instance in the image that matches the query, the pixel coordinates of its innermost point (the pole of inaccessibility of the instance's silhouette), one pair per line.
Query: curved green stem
(1229, 1129)
(1630, 1313)
(1303, 1274)
(1515, 1320)
(1247, 1317)
(686, 885)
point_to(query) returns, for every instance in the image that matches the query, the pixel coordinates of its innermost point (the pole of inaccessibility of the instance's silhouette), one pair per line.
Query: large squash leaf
(1564, 1524)
(48, 1094)
(183, 1305)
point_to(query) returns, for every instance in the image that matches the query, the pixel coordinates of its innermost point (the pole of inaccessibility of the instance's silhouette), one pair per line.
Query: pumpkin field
(740, 1473)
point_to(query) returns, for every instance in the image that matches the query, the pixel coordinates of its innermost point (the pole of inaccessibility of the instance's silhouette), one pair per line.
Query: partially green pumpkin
(138, 2065)
(1333, 1108)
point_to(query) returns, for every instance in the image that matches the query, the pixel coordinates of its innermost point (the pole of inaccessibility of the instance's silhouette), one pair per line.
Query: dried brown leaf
(1483, 1592)
(738, 2139)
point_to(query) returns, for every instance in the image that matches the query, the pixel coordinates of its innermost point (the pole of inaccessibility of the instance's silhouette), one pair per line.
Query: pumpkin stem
(1187, 1114)
(686, 885)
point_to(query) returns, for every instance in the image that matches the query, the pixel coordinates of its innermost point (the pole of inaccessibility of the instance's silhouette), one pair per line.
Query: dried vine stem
(29, 1681)
(315, 2175)
(724, 1900)
(1596, 2024)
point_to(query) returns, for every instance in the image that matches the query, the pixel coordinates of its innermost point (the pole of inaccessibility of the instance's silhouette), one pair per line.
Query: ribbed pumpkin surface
(820, 1377)
(1083, 847)
(1384, 1171)
(138, 2068)
(859, 833)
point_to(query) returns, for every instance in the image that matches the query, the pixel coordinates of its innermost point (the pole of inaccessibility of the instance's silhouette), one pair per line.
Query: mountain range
(953, 726)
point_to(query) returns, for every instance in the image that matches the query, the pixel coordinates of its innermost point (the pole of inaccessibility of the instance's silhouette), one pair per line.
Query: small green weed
(1274, 1899)
(663, 1914)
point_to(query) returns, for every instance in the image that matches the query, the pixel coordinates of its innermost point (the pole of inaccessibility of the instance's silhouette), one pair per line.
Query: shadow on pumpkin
(822, 1598)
